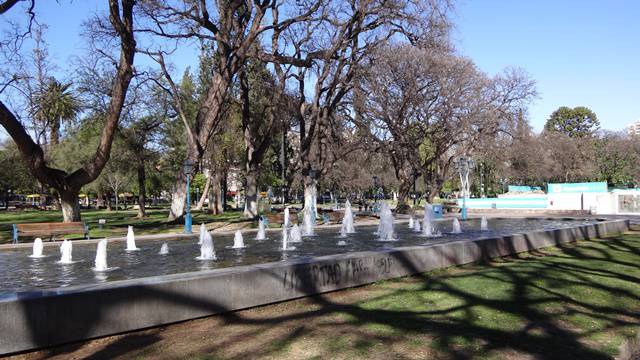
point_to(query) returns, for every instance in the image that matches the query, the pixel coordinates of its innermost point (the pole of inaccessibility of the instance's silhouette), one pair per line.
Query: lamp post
(482, 195)
(375, 192)
(464, 165)
(188, 167)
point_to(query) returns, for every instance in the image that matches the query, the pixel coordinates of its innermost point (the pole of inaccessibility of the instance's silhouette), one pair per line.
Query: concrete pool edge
(47, 318)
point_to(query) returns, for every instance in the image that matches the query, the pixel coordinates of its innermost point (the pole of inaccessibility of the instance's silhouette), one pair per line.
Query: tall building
(634, 128)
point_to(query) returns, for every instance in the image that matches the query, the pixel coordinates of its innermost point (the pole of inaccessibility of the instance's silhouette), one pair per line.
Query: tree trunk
(141, 190)
(251, 192)
(205, 193)
(109, 208)
(404, 188)
(216, 196)
(100, 200)
(310, 193)
(55, 132)
(56, 200)
(178, 198)
(225, 189)
(435, 181)
(70, 205)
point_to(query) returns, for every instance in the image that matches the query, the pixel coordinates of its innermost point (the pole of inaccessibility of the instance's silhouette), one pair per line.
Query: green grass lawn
(154, 223)
(580, 301)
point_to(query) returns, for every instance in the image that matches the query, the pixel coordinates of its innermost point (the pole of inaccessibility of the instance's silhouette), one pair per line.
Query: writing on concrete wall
(314, 277)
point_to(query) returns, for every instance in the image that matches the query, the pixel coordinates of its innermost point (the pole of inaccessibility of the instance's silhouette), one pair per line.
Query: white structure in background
(634, 128)
(592, 197)
(618, 202)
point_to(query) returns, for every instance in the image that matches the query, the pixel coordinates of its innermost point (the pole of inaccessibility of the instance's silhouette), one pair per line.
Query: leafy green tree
(18, 179)
(615, 162)
(578, 122)
(56, 105)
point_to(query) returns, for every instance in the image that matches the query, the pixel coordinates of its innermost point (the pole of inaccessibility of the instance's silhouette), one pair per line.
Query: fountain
(385, 227)
(286, 218)
(37, 248)
(347, 220)
(484, 224)
(203, 230)
(326, 264)
(416, 226)
(285, 239)
(261, 231)
(456, 227)
(309, 222)
(238, 241)
(164, 249)
(427, 223)
(295, 234)
(65, 252)
(411, 222)
(101, 256)
(343, 232)
(207, 252)
(131, 240)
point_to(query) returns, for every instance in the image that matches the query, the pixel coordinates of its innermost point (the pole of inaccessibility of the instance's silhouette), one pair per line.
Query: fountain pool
(164, 289)
(22, 273)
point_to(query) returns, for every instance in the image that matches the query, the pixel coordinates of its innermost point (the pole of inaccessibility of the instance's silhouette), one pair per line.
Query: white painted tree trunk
(178, 198)
(310, 194)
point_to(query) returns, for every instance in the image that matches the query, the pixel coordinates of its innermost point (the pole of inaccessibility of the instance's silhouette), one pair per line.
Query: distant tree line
(289, 96)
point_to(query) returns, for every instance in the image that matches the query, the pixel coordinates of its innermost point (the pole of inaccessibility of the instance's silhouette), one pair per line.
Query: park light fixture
(188, 167)
(464, 165)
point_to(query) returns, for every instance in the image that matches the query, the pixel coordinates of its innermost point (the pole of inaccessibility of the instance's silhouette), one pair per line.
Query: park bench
(279, 218)
(332, 217)
(49, 230)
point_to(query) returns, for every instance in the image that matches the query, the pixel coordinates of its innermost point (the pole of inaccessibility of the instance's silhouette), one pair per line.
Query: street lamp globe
(188, 167)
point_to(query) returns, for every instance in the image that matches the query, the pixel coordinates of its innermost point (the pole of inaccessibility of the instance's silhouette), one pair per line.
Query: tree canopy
(578, 122)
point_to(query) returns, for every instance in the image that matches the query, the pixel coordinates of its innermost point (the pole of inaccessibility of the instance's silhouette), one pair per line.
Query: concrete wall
(573, 201)
(511, 202)
(46, 318)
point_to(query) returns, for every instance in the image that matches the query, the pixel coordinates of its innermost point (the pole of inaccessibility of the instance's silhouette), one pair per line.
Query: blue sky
(581, 53)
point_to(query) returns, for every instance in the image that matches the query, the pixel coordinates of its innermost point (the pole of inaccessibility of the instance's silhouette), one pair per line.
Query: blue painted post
(187, 217)
(464, 207)
(15, 234)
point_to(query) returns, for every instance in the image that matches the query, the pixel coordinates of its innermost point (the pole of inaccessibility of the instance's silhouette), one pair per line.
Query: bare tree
(350, 31)
(478, 110)
(233, 27)
(404, 86)
(68, 184)
(425, 106)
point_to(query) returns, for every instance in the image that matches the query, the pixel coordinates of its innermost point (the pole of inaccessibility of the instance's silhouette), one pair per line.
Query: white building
(634, 128)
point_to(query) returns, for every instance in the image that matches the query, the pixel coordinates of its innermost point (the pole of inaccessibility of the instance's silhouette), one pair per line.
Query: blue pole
(187, 217)
(464, 207)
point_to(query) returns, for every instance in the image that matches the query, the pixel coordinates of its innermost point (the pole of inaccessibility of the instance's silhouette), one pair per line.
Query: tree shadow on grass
(538, 303)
